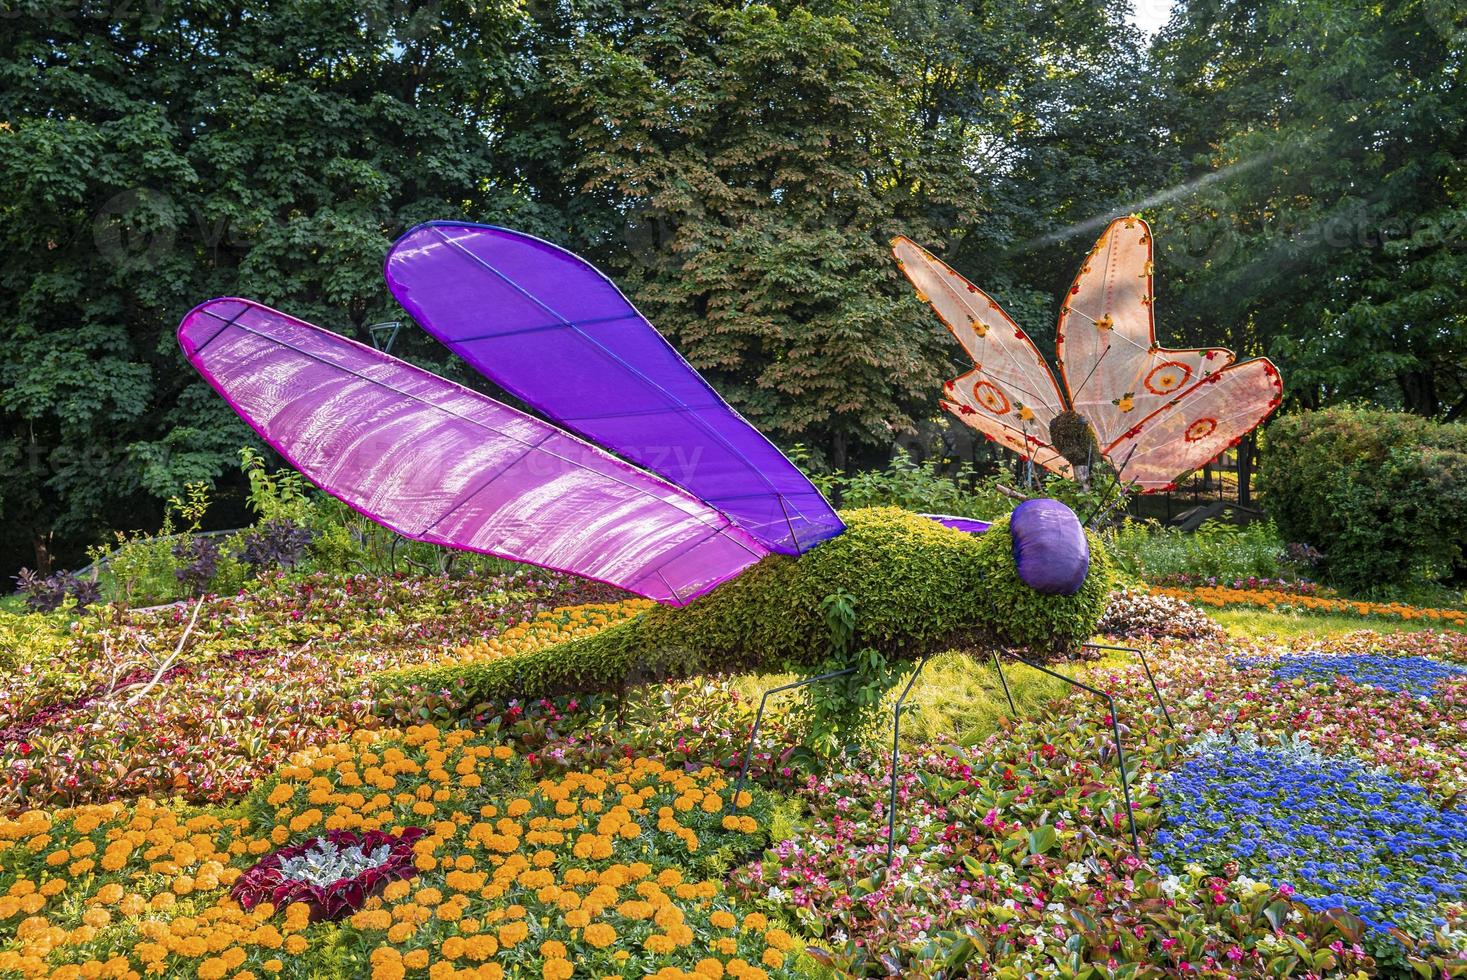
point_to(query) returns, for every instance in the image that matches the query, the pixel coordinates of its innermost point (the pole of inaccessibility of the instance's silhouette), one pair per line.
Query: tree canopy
(737, 167)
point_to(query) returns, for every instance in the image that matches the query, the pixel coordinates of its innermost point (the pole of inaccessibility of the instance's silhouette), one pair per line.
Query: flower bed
(590, 873)
(115, 715)
(592, 837)
(1274, 600)
(1414, 675)
(1336, 833)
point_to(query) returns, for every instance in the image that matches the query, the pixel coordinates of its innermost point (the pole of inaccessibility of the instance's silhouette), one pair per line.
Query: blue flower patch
(1339, 834)
(1412, 675)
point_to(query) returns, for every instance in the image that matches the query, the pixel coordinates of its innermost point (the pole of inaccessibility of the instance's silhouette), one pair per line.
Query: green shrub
(1147, 550)
(916, 587)
(1383, 494)
(34, 637)
(924, 489)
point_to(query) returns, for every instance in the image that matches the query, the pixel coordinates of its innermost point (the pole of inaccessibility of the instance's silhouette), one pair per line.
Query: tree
(154, 157)
(1334, 239)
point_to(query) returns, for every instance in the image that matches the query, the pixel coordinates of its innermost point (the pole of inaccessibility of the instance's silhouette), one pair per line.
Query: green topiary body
(919, 588)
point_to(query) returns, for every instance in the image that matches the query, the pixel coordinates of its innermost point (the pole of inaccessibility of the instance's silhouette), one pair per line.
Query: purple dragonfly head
(1050, 547)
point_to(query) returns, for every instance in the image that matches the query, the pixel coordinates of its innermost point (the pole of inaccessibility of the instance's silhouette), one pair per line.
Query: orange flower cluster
(1221, 598)
(579, 875)
(549, 628)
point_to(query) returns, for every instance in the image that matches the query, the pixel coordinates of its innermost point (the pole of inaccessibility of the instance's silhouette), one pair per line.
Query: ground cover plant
(202, 701)
(1013, 851)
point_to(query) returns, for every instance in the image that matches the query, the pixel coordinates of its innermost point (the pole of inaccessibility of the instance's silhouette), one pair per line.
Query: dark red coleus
(265, 883)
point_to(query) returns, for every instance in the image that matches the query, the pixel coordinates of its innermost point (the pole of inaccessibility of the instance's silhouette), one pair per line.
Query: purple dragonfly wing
(437, 462)
(547, 326)
(968, 525)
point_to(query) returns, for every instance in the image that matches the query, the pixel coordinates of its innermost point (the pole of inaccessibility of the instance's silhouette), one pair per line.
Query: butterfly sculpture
(1154, 413)
(692, 496)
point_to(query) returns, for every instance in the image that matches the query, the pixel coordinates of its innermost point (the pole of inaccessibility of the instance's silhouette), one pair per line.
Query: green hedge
(919, 588)
(1383, 494)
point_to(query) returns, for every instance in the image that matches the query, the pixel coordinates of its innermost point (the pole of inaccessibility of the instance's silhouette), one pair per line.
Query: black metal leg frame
(759, 720)
(1145, 666)
(1115, 731)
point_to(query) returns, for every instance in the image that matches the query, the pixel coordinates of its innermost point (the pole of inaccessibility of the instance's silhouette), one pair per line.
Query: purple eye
(1050, 547)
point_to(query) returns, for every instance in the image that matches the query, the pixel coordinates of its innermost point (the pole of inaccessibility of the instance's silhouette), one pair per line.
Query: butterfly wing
(547, 326)
(1198, 425)
(437, 462)
(1010, 395)
(1115, 372)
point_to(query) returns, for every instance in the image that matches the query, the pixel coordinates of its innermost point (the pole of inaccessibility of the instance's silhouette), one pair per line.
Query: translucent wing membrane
(1115, 372)
(1195, 427)
(544, 324)
(437, 462)
(1010, 395)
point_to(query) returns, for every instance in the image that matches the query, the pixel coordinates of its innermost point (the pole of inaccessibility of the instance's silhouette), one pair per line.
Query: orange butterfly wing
(1010, 395)
(1198, 425)
(1116, 373)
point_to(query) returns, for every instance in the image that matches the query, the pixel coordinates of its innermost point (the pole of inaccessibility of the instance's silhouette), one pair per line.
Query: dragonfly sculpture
(639, 474)
(642, 477)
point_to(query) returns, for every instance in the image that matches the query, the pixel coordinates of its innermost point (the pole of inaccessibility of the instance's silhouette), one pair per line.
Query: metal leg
(1145, 666)
(759, 719)
(896, 731)
(1115, 730)
(998, 666)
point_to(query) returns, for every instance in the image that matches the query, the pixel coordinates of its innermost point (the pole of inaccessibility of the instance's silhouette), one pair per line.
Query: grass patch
(1261, 622)
(957, 698)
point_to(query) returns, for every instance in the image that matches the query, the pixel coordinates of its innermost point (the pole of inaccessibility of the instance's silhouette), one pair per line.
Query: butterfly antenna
(1115, 482)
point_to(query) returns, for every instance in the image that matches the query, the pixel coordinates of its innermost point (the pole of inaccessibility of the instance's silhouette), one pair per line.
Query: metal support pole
(1145, 666)
(896, 732)
(998, 666)
(759, 719)
(1115, 730)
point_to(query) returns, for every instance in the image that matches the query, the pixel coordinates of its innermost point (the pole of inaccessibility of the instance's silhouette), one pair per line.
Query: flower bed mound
(604, 872)
(1134, 615)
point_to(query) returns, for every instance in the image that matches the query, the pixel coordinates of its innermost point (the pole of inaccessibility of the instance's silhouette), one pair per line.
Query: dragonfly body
(917, 587)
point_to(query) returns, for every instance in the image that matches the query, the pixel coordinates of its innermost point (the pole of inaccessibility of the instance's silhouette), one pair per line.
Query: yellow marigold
(553, 949)
(779, 939)
(416, 960)
(212, 969)
(273, 965)
(295, 945)
(773, 958)
(756, 921)
(709, 967)
(722, 919)
(557, 969)
(600, 935)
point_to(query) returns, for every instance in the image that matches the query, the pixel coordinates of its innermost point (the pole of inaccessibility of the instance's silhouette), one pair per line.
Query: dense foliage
(1382, 494)
(737, 167)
